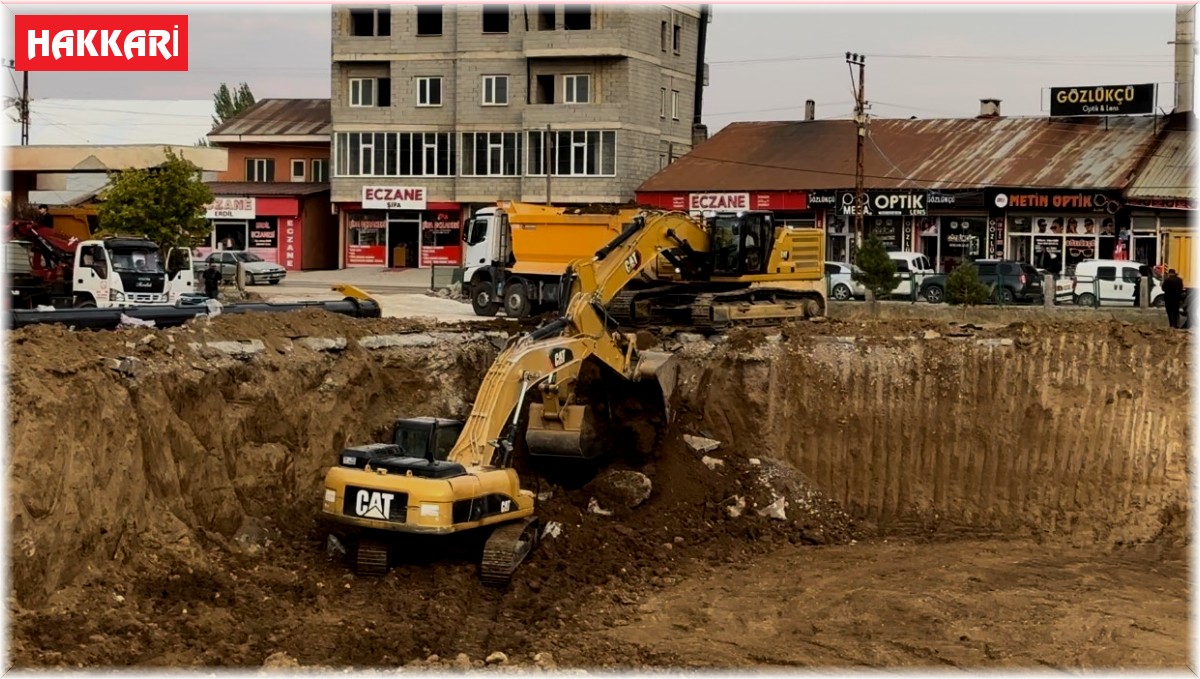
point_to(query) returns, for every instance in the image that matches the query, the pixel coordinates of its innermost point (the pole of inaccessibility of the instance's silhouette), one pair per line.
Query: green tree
(964, 287)
(229, 103)
(878, 271)
(165, 204)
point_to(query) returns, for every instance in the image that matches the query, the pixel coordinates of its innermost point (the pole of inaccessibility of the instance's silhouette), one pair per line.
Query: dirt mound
(168, 516)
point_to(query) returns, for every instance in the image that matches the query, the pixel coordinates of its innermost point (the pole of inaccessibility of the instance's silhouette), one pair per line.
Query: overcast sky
(764, 60)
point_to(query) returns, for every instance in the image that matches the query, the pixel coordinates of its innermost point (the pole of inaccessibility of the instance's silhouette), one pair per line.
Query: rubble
(700, 444)
(397, 341)
(622, 487)
(712, 462)
(322, 343)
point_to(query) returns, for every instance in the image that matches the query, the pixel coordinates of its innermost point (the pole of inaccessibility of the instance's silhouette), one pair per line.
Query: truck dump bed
(546, 239)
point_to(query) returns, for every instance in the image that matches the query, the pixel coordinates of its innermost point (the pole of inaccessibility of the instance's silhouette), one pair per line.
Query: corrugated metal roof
(266, 188)
(948, 154)
(1168, 171)
(284, 117)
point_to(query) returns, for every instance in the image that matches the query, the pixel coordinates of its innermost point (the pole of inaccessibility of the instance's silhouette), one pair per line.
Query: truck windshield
(477, 232)
(136, 259)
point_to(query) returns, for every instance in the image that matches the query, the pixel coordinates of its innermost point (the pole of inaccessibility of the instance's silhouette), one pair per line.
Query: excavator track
(505, 549)
(371, 557)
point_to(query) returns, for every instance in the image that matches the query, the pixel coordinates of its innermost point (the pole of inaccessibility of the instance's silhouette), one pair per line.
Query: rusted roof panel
(960, 153)
(1168, 171)
(282, 117)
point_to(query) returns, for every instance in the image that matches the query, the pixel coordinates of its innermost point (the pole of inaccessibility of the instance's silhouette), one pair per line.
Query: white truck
(64, 272)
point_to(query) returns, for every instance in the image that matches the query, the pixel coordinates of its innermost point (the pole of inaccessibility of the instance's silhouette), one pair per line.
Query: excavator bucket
(552, 435)
(662, 366)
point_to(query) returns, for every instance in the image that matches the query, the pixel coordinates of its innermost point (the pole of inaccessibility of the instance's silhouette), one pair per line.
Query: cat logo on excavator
(373, 504)
(632, 261)
(560, 357)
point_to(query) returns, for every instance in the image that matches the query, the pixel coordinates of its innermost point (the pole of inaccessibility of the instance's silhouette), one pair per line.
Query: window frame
(321, 177)
(569, 90)
(426, 79)
(303, 176)
(662, 104)
(606, 147)
(674, 104)
(677, 38)
(509, 145)
(489, 86)
(376, 13)
(351, 90)
(268, 170)
(398, 149)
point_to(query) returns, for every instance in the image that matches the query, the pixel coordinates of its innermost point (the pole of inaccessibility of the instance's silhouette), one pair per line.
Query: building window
(662, 104)
(662, 36)
(371, 22)
(495, 18)
(495, 90)
(545, 89)
(677, 38)
(545, 17)
(662, 160)
(260, 169)
(577, 89)
(674, 104)
(298, 167)
(370, 92)
(429, 91)
(429, 19)
(577, 17)
(394, 154)
(580, 153)
(491, 154)
(320, 170)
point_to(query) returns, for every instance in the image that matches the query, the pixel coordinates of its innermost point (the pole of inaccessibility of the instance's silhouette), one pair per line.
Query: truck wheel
(933, 294)
(1005, 296)
(1159, 302)
(516, 299)
(481, 300)
(85, 304)
(1086, 299)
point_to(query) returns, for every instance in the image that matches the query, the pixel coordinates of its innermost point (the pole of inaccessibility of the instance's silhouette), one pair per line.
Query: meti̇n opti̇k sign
(101, 42)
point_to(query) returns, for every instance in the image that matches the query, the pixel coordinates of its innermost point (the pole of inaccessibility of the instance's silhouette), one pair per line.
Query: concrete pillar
(1048, 290)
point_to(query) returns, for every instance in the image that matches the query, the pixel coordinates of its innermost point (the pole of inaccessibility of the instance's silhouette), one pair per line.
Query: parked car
(258, 270)
(1115, 281)
(1010, 282)
(842, 285)
(913, 268)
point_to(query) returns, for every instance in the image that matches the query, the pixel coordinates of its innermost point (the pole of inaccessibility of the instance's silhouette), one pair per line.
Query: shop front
(956, 230)
(254, 224)
(791, 208)
(398, 227)
(890, 216)
(1056, 229)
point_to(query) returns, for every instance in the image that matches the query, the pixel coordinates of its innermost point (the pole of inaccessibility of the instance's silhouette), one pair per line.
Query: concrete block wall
(626, 91)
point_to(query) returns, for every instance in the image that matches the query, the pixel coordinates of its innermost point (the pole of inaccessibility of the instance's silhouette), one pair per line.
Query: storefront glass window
(962, 240)
(229, 235)
(837, 238)
(367, 229)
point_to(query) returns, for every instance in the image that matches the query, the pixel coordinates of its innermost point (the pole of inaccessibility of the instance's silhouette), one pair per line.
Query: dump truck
(517, 255)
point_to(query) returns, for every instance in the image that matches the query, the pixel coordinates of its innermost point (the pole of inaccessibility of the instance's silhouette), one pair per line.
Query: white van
(912, 267)
(1114, 280)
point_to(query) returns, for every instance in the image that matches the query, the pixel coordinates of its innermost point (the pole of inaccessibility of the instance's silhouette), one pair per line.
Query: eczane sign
(718, 201)
(394, 198)
(231, 207)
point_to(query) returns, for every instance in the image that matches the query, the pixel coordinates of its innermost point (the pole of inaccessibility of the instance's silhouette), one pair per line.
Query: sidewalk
(369, 279)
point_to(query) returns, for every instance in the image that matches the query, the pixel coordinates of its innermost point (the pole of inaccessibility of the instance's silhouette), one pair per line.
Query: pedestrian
(44, 217)
(1172, 287)
(212, 280)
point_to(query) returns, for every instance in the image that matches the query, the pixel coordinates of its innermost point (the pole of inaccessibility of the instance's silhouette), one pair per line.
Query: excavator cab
(741, 242)
(427, 437)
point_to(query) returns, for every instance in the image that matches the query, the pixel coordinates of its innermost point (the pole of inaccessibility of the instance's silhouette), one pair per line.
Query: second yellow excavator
(444, 477)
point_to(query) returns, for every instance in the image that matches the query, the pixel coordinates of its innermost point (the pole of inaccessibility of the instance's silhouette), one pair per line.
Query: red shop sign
(366, 254)
(289, 244)
(441, 255)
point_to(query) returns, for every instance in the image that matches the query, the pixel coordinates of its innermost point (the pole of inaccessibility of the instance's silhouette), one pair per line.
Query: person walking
(212, 280)
(1172, 287)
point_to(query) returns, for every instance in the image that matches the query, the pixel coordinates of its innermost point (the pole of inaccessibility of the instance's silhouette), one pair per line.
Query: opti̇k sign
(101, 42)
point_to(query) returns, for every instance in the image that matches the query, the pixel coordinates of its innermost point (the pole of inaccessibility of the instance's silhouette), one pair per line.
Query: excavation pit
(977, 482)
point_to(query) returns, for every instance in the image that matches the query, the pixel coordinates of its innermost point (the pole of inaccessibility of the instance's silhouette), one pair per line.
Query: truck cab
(125, 272)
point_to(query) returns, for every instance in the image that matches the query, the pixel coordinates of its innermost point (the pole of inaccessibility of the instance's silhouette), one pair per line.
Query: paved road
(309, 286)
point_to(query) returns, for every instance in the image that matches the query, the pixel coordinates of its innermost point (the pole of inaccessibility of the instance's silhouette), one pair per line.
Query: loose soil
(167, 517)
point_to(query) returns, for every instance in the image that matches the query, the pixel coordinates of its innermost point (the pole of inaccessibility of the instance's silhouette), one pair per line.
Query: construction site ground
(882, 493)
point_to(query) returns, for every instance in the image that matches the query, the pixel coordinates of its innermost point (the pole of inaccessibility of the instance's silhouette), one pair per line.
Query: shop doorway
(403, 242)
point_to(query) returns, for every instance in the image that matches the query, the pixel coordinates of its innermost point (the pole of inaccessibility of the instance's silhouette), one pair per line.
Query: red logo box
(101, 42)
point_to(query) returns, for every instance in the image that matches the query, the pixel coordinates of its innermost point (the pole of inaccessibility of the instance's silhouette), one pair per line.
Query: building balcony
(594, 43)
(537, 116)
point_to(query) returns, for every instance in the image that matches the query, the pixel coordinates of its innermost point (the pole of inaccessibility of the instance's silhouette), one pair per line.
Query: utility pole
(860, 123)
(23, 102)
(547, 156)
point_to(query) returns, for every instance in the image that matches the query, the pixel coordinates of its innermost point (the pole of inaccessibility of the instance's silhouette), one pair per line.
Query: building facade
(1044, 191)
(273, 197)
(440, 109)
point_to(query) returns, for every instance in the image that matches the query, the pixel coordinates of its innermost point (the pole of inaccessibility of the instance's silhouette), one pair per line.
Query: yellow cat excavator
(444, 477)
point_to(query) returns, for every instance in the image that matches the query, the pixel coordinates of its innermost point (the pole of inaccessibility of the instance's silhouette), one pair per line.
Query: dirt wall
(1076, 430)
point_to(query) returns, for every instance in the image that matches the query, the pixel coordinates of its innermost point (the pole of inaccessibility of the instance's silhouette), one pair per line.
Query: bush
(878, 270)
(964, 287)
